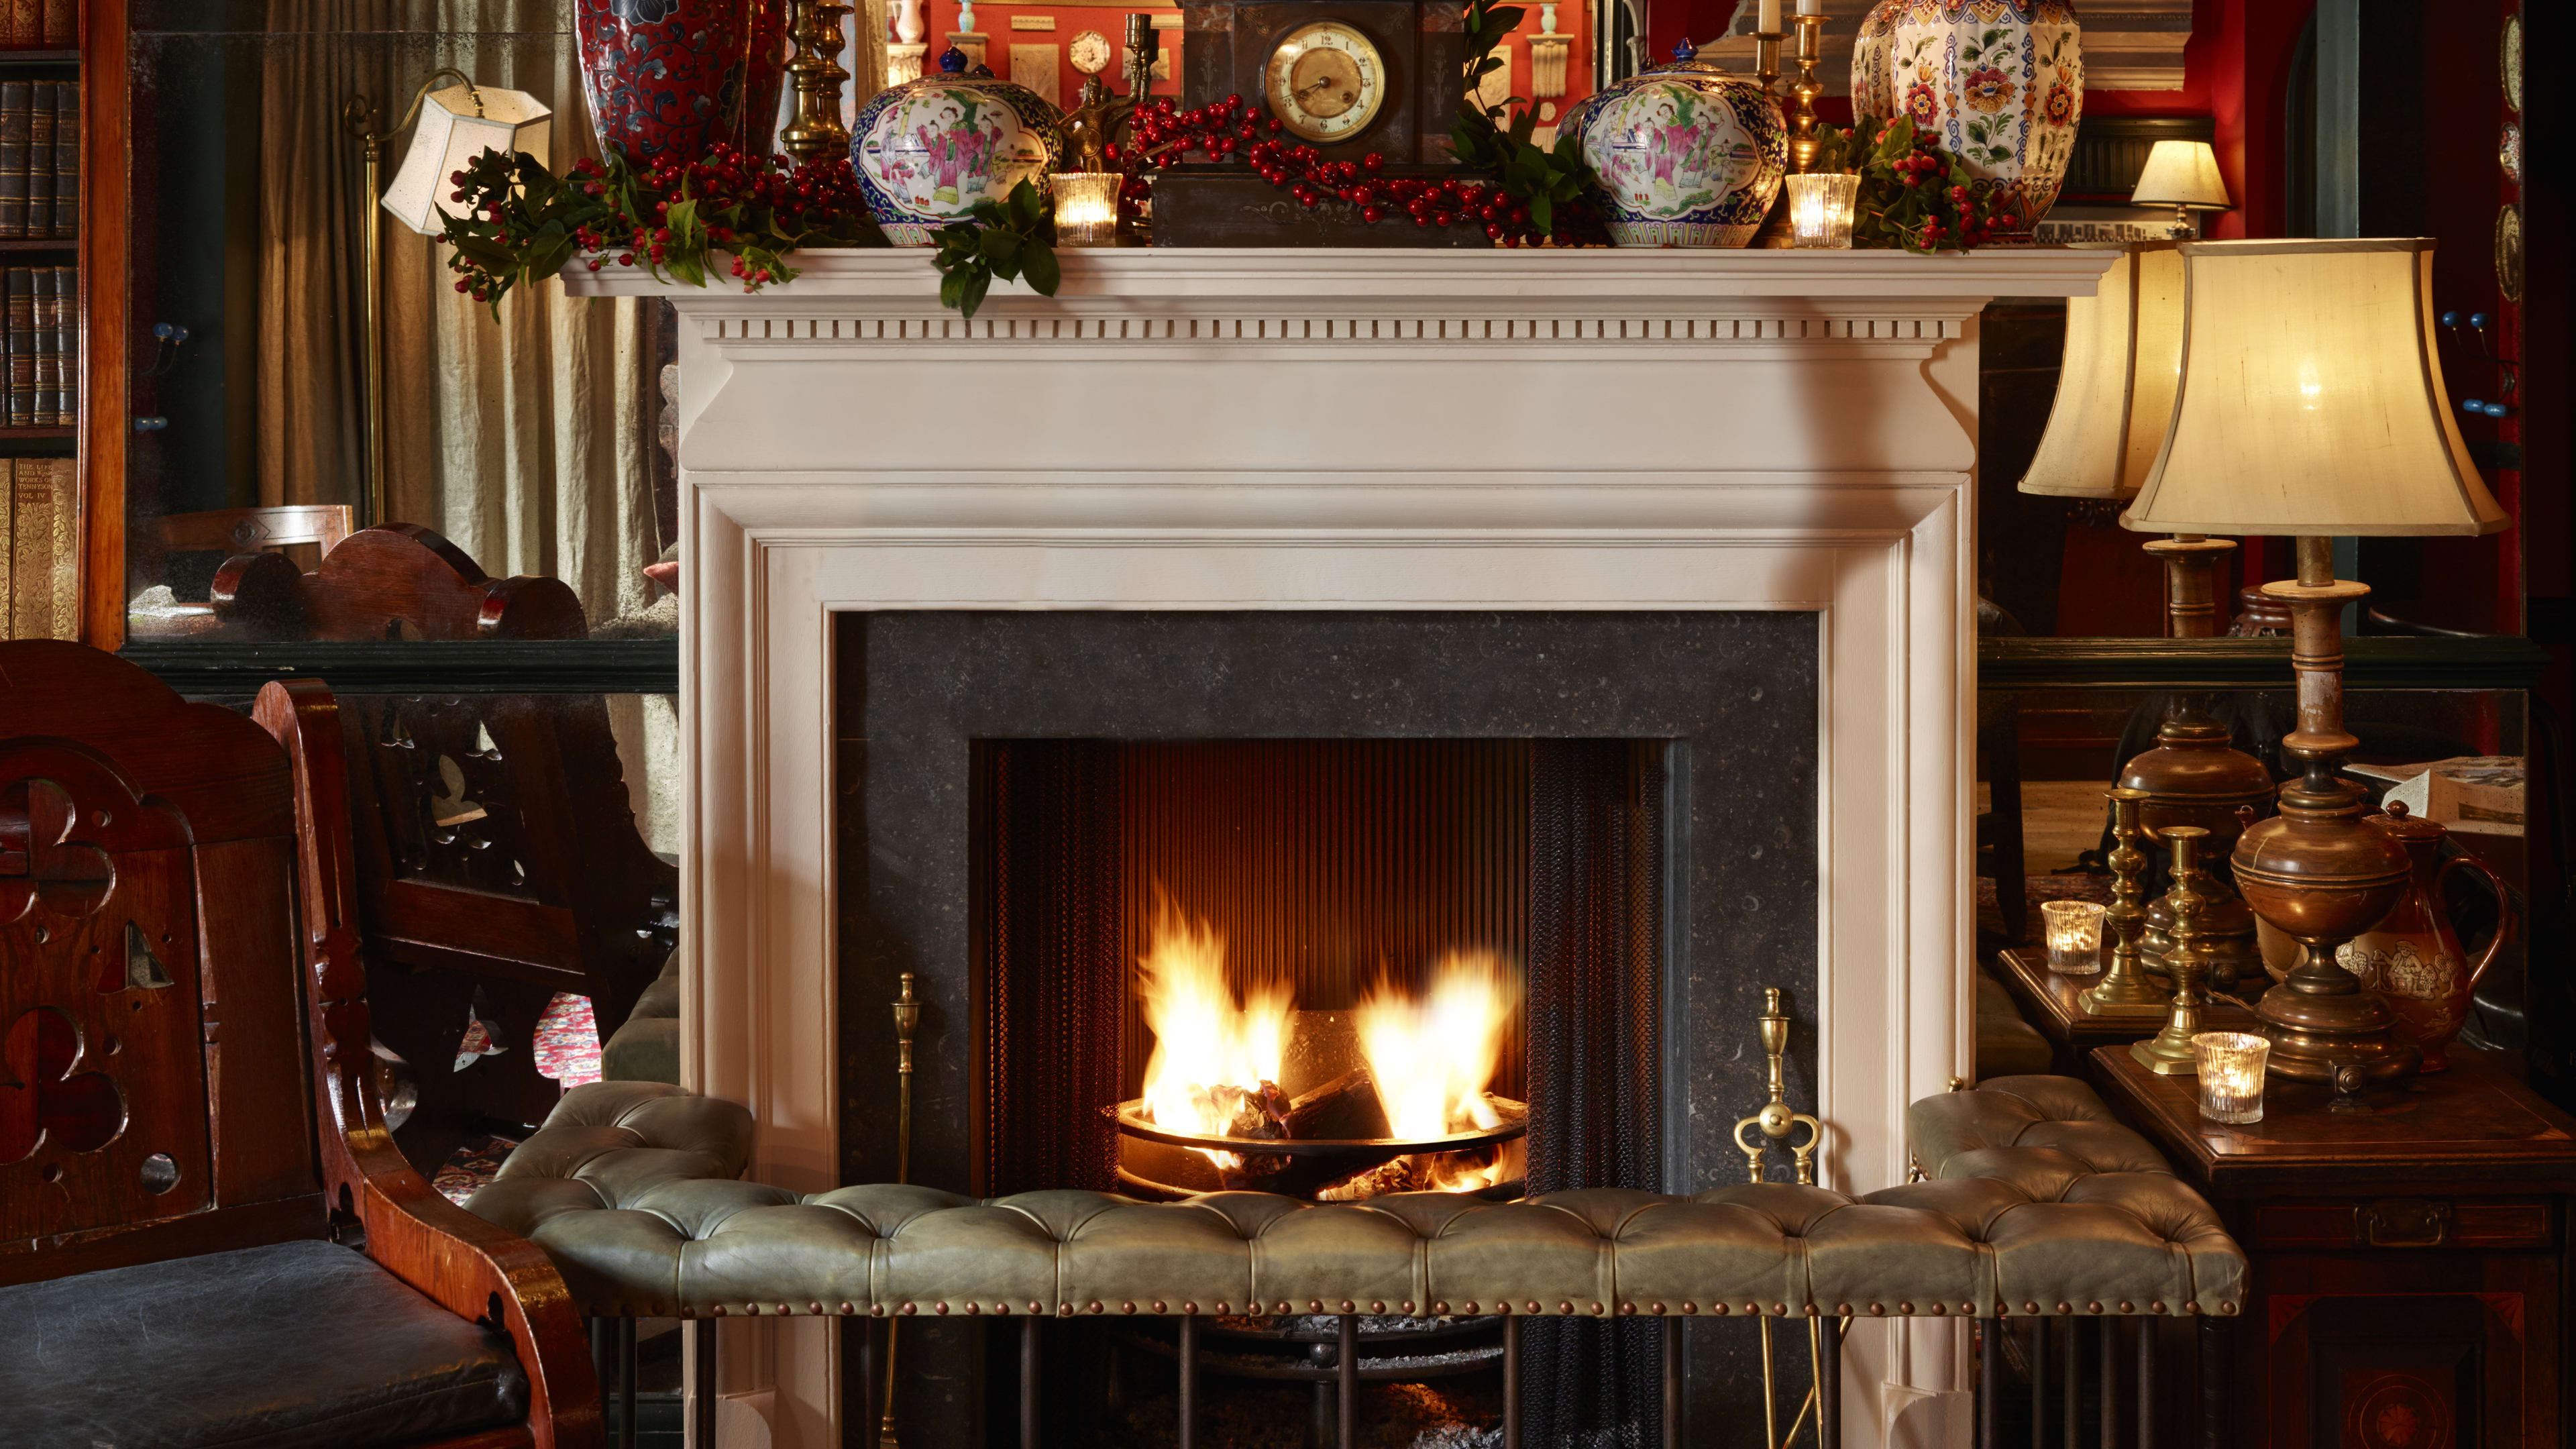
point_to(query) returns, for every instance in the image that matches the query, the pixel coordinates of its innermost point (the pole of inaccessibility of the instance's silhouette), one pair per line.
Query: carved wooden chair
(172, 1182)
(498, 859)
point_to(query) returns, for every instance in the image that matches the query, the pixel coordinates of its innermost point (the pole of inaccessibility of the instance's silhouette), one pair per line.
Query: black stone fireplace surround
(1732, 695)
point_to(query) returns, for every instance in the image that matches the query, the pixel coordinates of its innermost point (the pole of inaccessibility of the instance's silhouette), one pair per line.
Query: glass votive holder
(2074, 936)
(1086, 208)
(1820, 209)
(2231, 1074)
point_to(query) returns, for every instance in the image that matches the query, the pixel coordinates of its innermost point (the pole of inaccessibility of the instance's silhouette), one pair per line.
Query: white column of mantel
(1268, 429)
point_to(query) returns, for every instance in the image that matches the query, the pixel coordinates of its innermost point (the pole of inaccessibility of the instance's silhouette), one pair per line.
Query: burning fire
(1217, 1059)
(1432, 1058)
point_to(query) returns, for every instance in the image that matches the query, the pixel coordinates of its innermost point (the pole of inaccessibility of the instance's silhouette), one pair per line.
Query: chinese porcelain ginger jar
(1684, 155)
(1998, 83)
(681, 75)
(928, 150)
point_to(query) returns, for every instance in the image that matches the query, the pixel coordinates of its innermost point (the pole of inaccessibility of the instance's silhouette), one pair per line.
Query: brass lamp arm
(358, 113)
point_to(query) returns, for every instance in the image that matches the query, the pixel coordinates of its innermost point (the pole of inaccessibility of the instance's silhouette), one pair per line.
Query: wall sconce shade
(457, 125)
(2182, 173)
(2311, 400)
(2115, 392)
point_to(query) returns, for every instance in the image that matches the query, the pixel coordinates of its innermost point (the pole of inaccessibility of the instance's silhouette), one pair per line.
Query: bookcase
(49, 139)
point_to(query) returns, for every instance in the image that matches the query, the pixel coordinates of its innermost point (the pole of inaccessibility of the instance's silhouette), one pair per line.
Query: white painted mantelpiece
(1326, 430)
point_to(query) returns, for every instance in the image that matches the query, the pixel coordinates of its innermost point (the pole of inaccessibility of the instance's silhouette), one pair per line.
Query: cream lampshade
(2115, 390)
(456, 125)
(2182, 175)
(2312, 405)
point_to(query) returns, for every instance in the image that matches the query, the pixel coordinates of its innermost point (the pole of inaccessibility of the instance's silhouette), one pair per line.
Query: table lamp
(2115, 394)
(2311, 405)
(457, 124)
(2182, 175)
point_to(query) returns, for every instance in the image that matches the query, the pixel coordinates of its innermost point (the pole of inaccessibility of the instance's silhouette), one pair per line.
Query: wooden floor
(2058, 819)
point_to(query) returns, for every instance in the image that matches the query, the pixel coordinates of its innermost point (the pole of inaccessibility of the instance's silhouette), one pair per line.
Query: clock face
(1089, 52)
(1326, 82)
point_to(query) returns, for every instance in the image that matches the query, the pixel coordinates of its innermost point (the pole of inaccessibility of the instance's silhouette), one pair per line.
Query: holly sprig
(1491, 138)
(1010, 239)
(678, 219)
(1913, 194)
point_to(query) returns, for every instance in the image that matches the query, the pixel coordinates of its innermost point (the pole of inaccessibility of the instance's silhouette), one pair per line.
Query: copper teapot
(2413, 956)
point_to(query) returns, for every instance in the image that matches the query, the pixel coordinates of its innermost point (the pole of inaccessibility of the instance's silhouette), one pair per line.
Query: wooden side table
(2053, 1003)
(2410, 1264)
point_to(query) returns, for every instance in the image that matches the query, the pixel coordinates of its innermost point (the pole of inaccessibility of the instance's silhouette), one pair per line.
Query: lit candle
(2231, 1074)
(1820, 210)
(1769, 21)
(1086, 208)
(2074, 935)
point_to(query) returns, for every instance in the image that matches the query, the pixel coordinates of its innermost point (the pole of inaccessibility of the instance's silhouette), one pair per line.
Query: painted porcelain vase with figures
(1684, 155)
(1998, 83)
(2413, 956)
(928, 150)
(678, 76)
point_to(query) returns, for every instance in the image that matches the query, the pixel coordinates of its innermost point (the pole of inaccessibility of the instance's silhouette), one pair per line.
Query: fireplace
(1180, 439)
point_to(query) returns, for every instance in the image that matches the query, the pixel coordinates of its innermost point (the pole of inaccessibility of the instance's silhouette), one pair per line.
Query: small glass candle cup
(2231, 1074)
(2074, 936)
(1820, 209)
(1086, 207)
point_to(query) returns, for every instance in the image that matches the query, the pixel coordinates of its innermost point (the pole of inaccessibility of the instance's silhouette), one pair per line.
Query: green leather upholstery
(2007, 1045)
(647, 1047)
(2037, 1203)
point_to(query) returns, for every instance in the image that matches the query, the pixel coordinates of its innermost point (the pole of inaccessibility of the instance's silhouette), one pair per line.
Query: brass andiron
(2171, 1054)
(907, 1020)
(1778, 1125)
(817, 133)
(2125, 990)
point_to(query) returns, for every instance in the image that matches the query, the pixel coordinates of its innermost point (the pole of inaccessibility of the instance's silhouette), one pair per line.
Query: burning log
(1345, 1109)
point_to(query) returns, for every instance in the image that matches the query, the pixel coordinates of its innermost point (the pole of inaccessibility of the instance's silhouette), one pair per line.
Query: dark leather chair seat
(294, 1345)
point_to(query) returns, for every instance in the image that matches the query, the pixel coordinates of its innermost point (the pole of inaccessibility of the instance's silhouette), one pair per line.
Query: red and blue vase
(677, 76)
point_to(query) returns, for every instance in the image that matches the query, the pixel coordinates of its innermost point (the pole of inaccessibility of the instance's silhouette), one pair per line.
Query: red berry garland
(1164, 134)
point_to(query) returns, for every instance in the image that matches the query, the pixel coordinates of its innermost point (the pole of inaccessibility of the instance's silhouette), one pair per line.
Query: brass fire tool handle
(1778, 1126)
(907, 1020)
(2126, 990)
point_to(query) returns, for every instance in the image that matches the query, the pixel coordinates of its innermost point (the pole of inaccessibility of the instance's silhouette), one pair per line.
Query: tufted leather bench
(2033, 1202)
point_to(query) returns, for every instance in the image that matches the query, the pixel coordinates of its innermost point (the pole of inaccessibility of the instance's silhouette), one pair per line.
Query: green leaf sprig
(1913, 194)
(1548, 181)
(1009, 240)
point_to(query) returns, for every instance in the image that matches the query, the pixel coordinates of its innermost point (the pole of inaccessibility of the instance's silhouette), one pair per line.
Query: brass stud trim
(1349, 1307)
(720, 1310)
(2128, 1308)
(1443, 1308)
(815, 1307)
(2191, 1307)
(1562, 1307)
(973, 1308)
(1064, 1310)
(940, 1308)
(1377, 1305)
(1905, 1308)
(2030, 1308)
(2092, 1307)
(1189, 1305)
(2158, 1306)
(1878, 1310)
(1158, 1305)
(1471, 1306)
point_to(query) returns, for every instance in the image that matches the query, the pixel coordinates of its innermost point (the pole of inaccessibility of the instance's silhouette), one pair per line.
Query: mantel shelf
(1313, 276)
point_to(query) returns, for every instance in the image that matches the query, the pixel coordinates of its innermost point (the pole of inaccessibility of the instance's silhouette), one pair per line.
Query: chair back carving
(497, 852)
(149, 1097)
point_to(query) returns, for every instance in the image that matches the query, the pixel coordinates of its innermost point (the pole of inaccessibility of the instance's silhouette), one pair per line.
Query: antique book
(17, 99)
(61, 29)
(26, 25)
(67, 314)
(49, 347)
(44, 550)
(21, 336)
(67, 160)
(40, 160)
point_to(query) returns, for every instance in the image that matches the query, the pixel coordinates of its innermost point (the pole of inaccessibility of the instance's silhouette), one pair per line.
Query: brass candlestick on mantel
(1803, 142)
(2171, 1053)
(2125, 990)
(817, 132)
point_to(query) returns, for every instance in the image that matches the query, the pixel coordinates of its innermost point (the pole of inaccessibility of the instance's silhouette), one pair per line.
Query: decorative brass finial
(1776, 1122)
(2170, 1054)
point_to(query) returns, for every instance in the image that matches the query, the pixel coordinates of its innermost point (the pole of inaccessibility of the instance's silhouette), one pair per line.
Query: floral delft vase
(677, 76)
(929, 149)
(1998, 83)
(1684, 155)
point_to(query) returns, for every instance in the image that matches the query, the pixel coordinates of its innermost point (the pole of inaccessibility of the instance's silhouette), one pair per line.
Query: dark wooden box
(1229, 206)
(1226, 47)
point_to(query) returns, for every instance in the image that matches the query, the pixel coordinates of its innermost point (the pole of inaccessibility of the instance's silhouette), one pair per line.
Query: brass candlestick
(907, 1020)
(1803, 143)
(2317, 870)
(2194, 776)
(1776, 1122)
(2170, 1053)
(2125, 990)
(817, 133)
(1143, 48)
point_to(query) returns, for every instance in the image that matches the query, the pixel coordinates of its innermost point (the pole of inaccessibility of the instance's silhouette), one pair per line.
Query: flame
(1207, 1039)
(1431, 1058)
